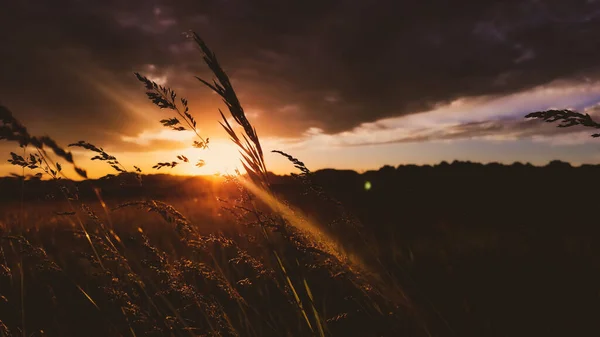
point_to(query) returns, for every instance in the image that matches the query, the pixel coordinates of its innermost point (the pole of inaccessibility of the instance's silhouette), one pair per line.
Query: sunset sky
(338, 84)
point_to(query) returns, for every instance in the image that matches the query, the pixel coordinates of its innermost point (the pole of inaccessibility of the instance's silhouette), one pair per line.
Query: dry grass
(142, 268)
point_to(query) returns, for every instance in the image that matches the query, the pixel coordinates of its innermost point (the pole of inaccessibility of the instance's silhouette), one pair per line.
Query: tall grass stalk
(253, 162)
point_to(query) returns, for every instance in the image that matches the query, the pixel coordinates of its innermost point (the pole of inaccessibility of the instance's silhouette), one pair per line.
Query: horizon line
(363, 171)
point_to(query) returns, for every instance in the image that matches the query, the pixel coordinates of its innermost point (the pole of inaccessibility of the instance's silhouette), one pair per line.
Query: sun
(222, 157)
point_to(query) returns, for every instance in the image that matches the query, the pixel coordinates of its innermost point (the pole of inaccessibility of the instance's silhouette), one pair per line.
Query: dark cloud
(327, 64)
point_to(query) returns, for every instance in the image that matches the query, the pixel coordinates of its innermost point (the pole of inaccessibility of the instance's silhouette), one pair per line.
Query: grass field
(451, 272)
(130, 272)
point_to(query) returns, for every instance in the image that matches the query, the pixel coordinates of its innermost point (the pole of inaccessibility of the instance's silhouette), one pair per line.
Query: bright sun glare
(221, 158)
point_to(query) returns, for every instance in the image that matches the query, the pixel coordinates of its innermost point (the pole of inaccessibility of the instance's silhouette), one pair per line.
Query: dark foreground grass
(509, 264)
(167, 277)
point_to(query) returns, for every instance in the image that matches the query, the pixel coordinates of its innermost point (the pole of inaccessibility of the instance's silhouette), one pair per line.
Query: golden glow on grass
(297, 219)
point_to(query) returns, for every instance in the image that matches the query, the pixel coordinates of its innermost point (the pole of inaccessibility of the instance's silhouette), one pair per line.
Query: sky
(338, 84)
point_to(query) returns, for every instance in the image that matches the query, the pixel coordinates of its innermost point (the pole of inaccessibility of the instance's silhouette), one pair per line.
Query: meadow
(457, 249)
(131, 272)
